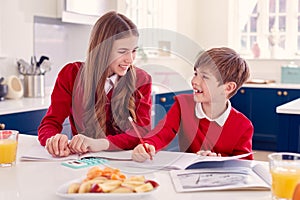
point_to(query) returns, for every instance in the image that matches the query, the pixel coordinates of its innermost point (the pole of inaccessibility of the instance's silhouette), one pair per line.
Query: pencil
(140, 137)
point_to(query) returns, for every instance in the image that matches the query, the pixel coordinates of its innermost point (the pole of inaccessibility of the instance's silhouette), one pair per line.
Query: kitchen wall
(200, 20)
(61, 42)
(16, 30)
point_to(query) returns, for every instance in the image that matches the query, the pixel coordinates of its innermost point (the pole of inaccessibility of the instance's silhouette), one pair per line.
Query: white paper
(179, 160)
(207, 179)
(39, 153)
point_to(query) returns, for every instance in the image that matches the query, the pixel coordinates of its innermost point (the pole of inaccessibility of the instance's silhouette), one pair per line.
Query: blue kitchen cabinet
(162, 104)
(289, 132)
(28, 122)
(259, 105)
(24, 122)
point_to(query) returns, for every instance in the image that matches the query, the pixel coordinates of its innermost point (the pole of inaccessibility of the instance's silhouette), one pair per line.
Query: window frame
(262, 33)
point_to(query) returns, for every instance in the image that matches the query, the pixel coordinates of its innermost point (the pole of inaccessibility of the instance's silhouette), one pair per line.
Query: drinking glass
(8, 147)
(285, 171)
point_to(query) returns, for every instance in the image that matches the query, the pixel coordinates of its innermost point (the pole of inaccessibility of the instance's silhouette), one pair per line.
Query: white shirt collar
(220, 120)
(110, 82)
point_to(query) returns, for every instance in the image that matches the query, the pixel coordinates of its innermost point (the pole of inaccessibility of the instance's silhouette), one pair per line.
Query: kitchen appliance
(290, 74)
(3, 89)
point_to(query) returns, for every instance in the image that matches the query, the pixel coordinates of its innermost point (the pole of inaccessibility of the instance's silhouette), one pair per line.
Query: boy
(205, 121)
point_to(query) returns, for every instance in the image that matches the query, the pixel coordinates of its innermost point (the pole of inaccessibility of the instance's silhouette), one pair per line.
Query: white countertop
(292, 107)
(40, 180)
(11, 106)
(273, 85)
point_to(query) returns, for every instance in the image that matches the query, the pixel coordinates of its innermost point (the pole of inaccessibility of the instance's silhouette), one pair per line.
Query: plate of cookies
(107, 183)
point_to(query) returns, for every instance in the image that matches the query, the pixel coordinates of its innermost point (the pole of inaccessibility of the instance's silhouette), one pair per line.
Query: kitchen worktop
(292, 107)
(10, 106)
(273, 85)
(25, 104)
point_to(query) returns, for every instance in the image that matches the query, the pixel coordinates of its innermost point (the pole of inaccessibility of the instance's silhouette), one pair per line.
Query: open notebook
(39, 153)
(235, 176)
(178, 160)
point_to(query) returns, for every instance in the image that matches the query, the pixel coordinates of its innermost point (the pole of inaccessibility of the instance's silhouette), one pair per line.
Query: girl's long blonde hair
(89, 101)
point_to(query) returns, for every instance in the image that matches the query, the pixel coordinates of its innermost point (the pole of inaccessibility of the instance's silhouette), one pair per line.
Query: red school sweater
(61, 108)
(234, 138)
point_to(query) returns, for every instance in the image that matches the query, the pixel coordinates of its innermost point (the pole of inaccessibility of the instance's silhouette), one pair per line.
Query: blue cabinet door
(242, 101)
(162, 104)
(259, 105)
(24, 122)
(264, 118)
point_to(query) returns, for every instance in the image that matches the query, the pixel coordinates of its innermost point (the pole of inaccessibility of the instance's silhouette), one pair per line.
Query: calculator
(85, 162)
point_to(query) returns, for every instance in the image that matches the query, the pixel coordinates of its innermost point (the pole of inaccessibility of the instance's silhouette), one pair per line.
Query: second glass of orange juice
(285, 171)
(8, 147)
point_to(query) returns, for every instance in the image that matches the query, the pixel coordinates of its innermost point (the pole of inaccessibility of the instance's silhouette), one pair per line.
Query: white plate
(62, 192)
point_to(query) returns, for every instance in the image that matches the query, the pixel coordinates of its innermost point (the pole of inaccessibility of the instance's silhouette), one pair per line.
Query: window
(144, 13)
(271, 27)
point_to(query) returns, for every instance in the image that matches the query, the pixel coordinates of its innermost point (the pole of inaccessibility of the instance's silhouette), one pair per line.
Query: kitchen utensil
(45, 66)
(42, 58)
(34, 85)
(23, 66)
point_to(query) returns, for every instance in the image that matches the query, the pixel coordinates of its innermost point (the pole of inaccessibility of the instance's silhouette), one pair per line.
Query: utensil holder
(34, 85)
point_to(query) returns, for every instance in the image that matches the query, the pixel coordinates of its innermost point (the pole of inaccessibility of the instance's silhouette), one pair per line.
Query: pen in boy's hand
(140, 137)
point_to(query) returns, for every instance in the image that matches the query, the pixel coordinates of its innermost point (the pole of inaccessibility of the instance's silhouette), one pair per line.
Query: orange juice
(284, 181)
(8, 150)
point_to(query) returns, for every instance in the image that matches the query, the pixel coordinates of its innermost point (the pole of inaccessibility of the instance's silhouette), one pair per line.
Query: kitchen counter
(40, 180)
(292, 107)
(11, 106)
(273, 85)
(25, 104)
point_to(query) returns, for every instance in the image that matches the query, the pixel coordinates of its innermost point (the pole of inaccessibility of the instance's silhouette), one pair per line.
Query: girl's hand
(139, 153)
(208, 153)
(57, 145)
(83, 144)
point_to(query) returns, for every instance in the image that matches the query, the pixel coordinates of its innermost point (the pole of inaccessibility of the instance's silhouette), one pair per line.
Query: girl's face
(207, 88)
(122, 55)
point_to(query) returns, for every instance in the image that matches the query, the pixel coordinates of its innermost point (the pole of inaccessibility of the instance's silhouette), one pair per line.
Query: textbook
(179, 160)
(237, 176)
(39, 153)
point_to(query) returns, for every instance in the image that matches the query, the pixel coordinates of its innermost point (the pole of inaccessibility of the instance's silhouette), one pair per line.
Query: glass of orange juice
(8, 147)
(285, 171)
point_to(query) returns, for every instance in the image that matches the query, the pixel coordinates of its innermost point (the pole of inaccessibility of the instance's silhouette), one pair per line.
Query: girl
(100, 94)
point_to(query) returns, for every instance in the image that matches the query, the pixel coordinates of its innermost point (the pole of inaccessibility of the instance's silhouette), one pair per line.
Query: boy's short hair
(226, 65)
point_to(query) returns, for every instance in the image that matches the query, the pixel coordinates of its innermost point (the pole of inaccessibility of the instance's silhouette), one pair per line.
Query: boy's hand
(139, 153)
(208, 153)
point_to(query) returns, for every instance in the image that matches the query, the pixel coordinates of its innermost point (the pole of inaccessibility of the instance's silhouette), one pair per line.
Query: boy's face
(207, 88)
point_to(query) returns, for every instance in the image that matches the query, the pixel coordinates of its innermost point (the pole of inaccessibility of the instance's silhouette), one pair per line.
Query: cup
(8, 147)
(285, 171)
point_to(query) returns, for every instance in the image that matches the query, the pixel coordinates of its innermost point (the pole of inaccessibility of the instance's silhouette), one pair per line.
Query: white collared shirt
(110, 82)
(220, 120)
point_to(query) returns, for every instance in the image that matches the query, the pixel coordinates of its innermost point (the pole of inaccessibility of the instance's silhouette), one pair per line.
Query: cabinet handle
(279, 93)
(2, 126)
(242, 91)
(163, 99)
(285, 93)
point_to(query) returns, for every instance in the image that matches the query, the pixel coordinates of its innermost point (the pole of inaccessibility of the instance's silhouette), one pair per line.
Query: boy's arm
(244, 145)
(166, 129)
